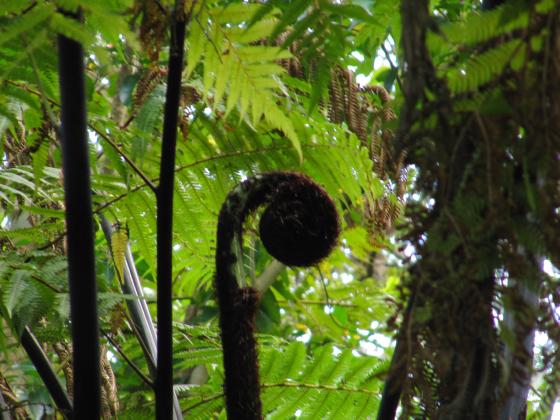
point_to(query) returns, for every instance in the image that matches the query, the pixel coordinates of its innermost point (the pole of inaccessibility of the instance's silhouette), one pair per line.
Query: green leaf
(25, 23)
(351, 11)
(341, 315)
(289, 16)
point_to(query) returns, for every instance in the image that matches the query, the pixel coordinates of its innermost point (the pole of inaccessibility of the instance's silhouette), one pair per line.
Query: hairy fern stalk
(299, 227)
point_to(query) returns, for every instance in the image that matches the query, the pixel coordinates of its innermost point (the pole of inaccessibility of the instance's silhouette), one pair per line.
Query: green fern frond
(199, 356)
(72, 28)
(40, 157)
(20, 186)
(149, 116)
(138, 212)
(210, 165)
(481, 27)
(30, 287)
(312, 390)
(27, 22)
(324, 386)
(482, 68)
(235, 68)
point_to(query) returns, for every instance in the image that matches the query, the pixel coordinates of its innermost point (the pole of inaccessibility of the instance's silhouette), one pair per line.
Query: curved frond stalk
(299, 227)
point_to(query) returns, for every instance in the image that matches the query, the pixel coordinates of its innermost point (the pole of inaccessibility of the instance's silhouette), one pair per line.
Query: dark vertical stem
(164, 378)
(392, 389)
(46, 372)
(79, 222)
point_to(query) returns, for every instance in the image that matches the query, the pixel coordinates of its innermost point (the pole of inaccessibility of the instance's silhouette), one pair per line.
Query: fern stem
(79, 221)
(298, 227)
(319, 386)
(164, 196)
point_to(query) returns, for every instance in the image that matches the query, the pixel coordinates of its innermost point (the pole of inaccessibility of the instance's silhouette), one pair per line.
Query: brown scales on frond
(154, 26)
(152, 77)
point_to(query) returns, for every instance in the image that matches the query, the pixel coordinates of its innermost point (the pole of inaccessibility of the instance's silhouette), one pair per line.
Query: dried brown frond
(153, 27)
(147, 83)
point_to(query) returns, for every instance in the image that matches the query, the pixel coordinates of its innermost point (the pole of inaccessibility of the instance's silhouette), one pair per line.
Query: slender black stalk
(46, 372)
(298, 227)
(164, 377)
(79, 222)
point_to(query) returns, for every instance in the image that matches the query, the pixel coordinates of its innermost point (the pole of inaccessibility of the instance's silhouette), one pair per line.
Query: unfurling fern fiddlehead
(299, 227)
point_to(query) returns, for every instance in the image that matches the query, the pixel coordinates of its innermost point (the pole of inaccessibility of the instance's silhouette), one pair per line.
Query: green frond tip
(276, 118)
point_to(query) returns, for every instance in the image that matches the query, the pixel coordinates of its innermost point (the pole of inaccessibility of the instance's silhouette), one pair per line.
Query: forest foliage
(404, 137)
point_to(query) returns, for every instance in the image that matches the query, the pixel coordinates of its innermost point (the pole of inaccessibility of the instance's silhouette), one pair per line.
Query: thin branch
(326, 387)
(321, 303)
(129, 161)
(130, 363)
(292, 385)
(392, 65)
(203, 401)
(47, 285)
(58, 238)
(327, 297)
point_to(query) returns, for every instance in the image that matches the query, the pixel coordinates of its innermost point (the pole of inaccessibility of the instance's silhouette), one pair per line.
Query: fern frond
(481, 69)
(25, 23)
(212, 163)
(314, 392)
(235, 68)
(483, 26)
(324, 386)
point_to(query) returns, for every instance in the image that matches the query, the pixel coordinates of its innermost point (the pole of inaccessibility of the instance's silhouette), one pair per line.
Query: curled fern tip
(300, 226)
